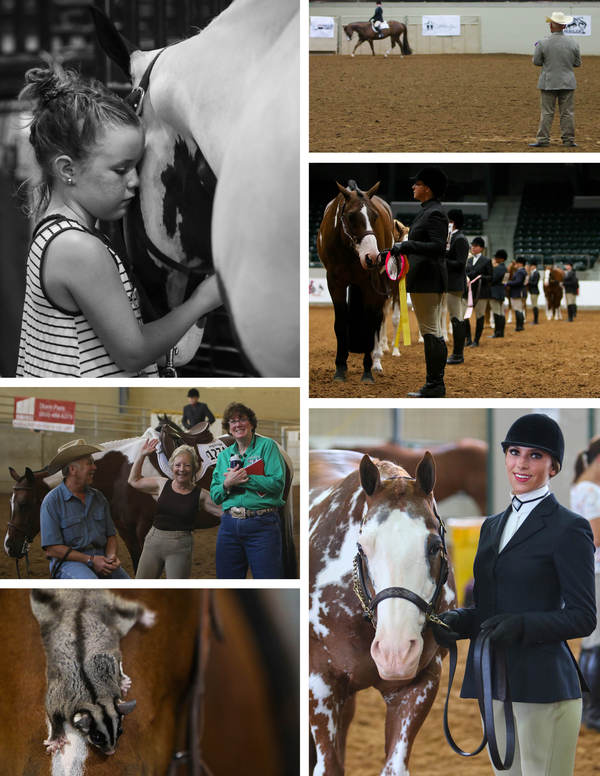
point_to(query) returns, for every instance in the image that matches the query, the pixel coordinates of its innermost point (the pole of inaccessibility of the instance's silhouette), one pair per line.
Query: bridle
(27, 531)
(346, 230)
(369, 603)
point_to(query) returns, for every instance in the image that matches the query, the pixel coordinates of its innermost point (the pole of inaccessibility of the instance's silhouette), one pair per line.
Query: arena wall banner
(44, 414)
(441, 25)
(581, 25)
(322, 26)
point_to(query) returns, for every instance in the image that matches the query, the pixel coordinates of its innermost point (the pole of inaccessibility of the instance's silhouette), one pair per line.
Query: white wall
(509, 28)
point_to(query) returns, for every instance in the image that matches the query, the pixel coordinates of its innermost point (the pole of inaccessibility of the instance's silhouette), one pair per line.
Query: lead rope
(482, 661)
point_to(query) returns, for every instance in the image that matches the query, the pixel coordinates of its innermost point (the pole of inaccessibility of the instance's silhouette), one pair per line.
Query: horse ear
(372, 190)
(29, 475)
(114, 45)
(125, 707)
(425, 475)
(14, 474)
(343, 190)
(369, 475)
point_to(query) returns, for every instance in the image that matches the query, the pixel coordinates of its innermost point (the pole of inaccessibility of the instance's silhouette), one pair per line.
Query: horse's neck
(202, 84)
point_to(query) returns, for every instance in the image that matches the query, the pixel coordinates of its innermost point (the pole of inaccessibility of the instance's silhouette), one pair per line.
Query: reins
(485, 659)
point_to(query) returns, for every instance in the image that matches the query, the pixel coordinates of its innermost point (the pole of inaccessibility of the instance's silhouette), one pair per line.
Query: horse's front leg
(407, 709)
(331, 710)
(358, 42)
(340, 327)
(372, 49)
(372, 358)
(395, 322)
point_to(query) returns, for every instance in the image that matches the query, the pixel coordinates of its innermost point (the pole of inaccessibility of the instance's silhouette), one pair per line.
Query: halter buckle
(135, 98)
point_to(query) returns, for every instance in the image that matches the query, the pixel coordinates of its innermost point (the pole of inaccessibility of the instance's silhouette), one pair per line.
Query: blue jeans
(72, 569)
(254, 542)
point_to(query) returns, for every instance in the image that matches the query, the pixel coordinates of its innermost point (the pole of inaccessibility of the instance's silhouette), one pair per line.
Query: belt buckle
(239, 512)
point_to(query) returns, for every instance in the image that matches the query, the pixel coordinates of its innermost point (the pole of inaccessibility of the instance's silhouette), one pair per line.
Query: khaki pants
(170, 551)
(546, 737)
(480, 308)
(427, 309)
(518, 304)
(534, 299)
(566, 112)
(456, 305)
(571, 298)
(497, 306)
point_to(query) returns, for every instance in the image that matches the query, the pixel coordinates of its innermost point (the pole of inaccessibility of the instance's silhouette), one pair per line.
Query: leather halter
(27, 532)
(353, 238)
(369, 603)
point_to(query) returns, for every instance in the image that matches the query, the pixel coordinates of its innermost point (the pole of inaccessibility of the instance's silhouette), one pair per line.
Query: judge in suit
(534, 587)
(427, 277)
(557, 55)
(479, 273)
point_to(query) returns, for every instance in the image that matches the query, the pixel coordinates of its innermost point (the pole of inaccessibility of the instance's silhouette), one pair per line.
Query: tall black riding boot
(436, 353)
(520, 320)
(589, 663)
(502, 322)
(467, 325)
(571, 312)
(458, 340)
(478, 331)
(536, 313)
(497, 327)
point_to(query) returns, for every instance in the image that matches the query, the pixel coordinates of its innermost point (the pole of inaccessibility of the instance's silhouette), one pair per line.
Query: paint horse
(373, 530)
(132, 510)
(240, 670)
(553, 291)
(460, 467)
(356, 227)
(365, 32)
(219, 180)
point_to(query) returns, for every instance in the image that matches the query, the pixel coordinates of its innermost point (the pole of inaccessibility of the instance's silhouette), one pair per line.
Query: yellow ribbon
(403, 322)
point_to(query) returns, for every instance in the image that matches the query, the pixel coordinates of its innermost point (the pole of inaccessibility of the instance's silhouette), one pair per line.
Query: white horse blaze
(395, 550)
(367, 248)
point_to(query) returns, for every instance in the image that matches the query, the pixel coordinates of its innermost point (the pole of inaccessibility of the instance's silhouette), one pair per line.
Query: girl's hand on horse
(443, 636)
(207, 295)
(149, 446)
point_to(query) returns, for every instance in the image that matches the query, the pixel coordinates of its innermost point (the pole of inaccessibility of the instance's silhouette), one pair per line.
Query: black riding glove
(400, 248)
(506, 629)
(443, 636)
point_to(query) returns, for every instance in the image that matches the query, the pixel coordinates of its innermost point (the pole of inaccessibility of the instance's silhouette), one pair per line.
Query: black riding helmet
(539, 431)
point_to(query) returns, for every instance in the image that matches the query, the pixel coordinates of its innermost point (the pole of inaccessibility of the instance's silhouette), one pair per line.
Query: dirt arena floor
(203, 565)
(555, 359)
(439, 103)
(431, 754)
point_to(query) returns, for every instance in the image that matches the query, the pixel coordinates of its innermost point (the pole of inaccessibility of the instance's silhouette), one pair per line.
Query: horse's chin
(398, 675)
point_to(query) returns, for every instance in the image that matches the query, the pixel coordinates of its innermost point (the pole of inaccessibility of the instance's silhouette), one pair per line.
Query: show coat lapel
(495, 538)
(535, 522)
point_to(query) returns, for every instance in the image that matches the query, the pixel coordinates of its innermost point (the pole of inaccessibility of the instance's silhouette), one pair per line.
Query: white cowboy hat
(558, 17)
(69, 452)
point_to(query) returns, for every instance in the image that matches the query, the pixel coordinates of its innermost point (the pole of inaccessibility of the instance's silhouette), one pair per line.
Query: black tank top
(176, 512)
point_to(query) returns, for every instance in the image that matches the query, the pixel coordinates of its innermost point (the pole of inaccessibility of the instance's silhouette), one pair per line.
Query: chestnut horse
(460, 467)
(246, 678)
(132, 510)
(553, 291)
(392, 518)
(219, 180)
(365, 32)
(356, 227)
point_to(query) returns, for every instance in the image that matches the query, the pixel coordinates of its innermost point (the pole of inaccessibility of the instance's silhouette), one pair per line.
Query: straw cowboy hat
(69, 452)
(558, 17)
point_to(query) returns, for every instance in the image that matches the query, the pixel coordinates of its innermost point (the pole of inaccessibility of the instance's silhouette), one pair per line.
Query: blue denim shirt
(65, 519)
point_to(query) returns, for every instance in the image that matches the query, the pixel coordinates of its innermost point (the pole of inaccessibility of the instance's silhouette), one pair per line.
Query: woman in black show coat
(427, 277)
(534, 585)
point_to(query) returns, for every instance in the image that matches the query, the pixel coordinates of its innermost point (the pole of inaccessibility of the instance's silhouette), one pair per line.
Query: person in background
(479, 272)
(498, 292)
(533, 279)
(515, 287)
(571, 286)
(196, 411)
(456, 260)
(585, 500)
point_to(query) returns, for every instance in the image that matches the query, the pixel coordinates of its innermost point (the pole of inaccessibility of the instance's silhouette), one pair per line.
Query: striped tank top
(58, 343)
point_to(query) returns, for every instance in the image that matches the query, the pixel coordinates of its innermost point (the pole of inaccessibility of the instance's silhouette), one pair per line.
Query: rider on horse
(377, 19)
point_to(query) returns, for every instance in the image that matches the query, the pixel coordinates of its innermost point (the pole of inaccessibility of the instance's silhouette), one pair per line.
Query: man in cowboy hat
(557, 55)
(77, 531)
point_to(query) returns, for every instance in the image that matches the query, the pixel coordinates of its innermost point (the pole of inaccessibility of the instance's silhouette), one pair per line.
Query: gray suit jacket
(557, 55)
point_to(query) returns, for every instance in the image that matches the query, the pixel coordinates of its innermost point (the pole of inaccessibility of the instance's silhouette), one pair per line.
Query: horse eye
(97, 738)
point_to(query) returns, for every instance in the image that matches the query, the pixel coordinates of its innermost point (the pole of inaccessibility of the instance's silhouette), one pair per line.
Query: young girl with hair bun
(81, 316)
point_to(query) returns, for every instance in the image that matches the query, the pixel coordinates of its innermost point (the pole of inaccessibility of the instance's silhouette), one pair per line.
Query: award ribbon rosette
(397, 269)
